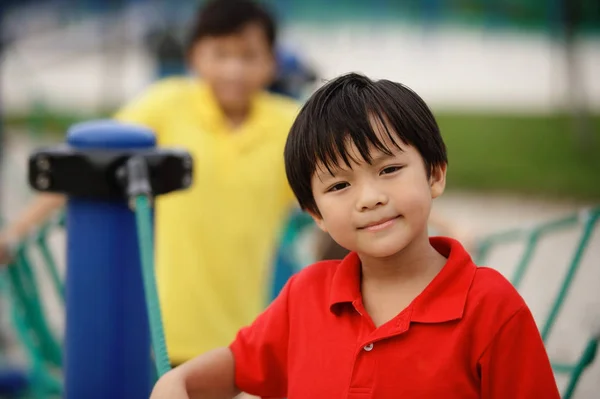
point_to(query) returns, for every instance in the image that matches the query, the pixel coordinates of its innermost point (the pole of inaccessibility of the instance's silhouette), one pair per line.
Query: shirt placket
(364, 372)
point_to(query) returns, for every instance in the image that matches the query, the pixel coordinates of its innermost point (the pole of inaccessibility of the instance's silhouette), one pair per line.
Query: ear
(270, 69)
(318, 221)
(437, 181)
(194, 59)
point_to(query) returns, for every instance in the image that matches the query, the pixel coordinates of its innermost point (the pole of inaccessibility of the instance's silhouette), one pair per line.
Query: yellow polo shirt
(215, 241)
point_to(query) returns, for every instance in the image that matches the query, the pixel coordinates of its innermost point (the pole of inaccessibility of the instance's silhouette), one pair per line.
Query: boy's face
(379, 209)
(235, 66)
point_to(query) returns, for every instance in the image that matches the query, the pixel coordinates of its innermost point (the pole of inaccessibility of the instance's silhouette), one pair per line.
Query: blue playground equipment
(106, 318)
(109, 295)
(294, 74)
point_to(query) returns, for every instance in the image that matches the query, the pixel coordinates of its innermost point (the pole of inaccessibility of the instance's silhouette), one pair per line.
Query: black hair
(339, 113)
(226, 17)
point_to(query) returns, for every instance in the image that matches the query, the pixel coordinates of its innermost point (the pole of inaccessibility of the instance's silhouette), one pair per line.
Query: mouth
(380, 224)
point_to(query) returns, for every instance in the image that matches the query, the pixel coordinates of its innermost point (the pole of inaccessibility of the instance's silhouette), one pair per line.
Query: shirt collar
(442, 300)
(345, 286)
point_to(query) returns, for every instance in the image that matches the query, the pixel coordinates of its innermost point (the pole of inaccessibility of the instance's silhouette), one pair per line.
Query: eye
(219, 54)
(390, 169)
(338, 187)
(249, 56)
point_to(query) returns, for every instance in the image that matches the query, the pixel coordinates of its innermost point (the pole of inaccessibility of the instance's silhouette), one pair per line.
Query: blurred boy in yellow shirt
(215, 241)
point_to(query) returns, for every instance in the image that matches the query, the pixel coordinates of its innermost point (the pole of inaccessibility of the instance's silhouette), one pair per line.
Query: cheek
(260, 73)
(336, 218)
(415, 198)
(205, 67)
(201, 59)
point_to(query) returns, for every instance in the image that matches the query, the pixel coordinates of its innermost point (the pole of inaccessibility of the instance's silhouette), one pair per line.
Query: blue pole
(107, 343)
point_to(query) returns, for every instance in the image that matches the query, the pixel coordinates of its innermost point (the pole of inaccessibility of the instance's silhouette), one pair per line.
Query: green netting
(588, 220)
(44, 350)
(19, 283)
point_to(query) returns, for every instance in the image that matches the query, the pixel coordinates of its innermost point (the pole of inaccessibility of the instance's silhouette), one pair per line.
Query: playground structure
(108, 170)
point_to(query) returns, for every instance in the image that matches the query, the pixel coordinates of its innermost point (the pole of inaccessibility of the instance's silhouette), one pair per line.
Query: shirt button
(368, 348)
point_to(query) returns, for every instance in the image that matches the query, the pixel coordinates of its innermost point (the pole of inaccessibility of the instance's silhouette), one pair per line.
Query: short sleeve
(515, 364)
(260, 350)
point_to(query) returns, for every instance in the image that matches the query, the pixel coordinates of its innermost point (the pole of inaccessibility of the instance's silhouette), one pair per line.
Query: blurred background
(515, 85)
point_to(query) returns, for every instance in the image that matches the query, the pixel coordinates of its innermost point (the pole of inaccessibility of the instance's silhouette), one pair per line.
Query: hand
(6, 249)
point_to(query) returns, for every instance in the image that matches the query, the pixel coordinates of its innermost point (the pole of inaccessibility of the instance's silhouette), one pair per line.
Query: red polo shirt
(467, 335)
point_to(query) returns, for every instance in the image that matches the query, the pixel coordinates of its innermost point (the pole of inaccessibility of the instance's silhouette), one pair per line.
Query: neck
(417, 260)
(235, 117)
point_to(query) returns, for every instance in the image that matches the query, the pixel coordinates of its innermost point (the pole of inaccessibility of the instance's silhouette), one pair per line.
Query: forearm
(42, 207)
(209, 376)
(212, 374)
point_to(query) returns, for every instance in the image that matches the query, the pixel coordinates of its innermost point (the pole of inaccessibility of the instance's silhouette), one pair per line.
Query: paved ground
(478, 214)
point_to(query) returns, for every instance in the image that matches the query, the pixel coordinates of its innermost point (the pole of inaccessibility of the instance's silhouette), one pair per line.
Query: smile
(380, 225)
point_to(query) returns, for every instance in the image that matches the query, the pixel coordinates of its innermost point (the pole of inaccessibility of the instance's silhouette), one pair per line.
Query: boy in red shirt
(402, 316)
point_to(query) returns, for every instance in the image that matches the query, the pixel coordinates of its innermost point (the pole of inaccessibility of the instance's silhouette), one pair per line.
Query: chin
(384, 249)
(236, 101)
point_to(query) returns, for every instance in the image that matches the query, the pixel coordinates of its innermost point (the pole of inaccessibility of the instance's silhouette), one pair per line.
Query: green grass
(48, 122)
(534, 155)
(539, 155)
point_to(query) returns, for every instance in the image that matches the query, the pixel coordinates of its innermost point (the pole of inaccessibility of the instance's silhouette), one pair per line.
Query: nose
(233, 69)
(370, 197)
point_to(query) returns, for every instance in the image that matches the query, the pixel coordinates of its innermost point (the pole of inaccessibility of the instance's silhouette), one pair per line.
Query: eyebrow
(324, 173)
(333, 170)
(382, 157)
